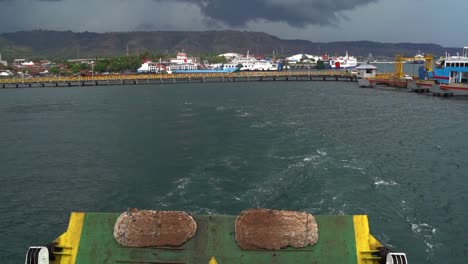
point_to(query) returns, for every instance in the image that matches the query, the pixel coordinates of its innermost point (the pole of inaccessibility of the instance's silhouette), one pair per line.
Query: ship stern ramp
(89, 239)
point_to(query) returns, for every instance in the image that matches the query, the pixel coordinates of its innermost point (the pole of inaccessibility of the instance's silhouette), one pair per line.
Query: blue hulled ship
(451, 69)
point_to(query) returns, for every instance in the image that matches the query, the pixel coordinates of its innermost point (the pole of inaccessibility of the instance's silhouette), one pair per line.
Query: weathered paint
(70, 240)
(340, 241)
(366, 244)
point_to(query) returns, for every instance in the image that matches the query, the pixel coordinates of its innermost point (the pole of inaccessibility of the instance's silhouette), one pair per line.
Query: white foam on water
(186, 109)
(215, 184)
(292, 123)
(352, 167)
(232, 162)
(187, 115)
(336, 208)
(415, 228)
(404, 205)
(311, 158)
(257, 125)
(286, 158)
(321, 152)
(182, 183)
(427, 233)
(353, 164)
(205, 211)
(430, 248)
(379, 182)
(297, 164)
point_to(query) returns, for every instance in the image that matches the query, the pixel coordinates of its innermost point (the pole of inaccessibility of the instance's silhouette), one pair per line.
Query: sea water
(323, 147)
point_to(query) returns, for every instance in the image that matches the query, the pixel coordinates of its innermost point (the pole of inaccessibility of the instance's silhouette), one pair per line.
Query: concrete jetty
(135, 79)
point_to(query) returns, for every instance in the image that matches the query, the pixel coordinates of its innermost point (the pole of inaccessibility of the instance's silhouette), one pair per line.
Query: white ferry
(418, 59)
(259, 65)
(151, 67)
(343, 62)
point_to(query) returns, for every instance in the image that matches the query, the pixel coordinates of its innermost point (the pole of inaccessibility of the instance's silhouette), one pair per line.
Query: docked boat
(254, 236)
(197, 68)
(184, 64)
(259, 65)
(220, 70)
(151, 67)
(418, 59)
(343, 62)
(4, 74)
(249, 63)
(451, 74)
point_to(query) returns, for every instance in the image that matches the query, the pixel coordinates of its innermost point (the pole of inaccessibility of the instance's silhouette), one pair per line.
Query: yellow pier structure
(399, 60)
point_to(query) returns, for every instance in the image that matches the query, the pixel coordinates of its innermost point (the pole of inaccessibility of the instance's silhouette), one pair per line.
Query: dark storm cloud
(180, 14)
(296, 13)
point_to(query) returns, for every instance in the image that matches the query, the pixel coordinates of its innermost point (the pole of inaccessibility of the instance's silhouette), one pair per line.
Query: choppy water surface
(322, 147)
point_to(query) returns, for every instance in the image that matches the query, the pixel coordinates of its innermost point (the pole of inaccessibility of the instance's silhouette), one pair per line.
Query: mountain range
(68, 44)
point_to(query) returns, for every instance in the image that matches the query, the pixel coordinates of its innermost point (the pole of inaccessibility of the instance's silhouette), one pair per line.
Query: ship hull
(206, 71)
(455, 89)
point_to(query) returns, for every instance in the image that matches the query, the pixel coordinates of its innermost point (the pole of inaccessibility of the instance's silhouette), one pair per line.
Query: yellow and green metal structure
(89, 239)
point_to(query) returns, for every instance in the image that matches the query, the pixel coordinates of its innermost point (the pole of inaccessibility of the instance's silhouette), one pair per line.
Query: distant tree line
(124, 63)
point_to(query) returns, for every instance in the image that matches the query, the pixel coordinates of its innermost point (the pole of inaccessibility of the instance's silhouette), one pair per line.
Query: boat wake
(427, 234)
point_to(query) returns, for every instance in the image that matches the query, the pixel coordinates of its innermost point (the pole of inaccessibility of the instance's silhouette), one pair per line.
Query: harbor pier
(416, 85)
(137, 79)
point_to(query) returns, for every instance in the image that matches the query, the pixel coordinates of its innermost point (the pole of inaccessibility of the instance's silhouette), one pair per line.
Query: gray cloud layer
(296, 13)
(381, 20)
(229, 13)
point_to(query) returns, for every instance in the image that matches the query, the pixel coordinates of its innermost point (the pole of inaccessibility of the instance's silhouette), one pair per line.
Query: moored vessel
(343, 62)
(451, 74)
(418, 59)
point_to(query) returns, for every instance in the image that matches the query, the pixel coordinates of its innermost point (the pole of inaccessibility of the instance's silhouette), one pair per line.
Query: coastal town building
(83, 61)
(22, 63)
(366, 71)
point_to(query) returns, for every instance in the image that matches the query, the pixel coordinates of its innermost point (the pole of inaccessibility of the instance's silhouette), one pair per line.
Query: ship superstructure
(343, 62)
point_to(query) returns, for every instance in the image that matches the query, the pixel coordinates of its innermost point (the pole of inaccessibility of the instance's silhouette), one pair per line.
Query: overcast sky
(416, 21)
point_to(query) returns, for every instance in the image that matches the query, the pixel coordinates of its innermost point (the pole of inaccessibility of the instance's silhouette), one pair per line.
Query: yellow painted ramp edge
(70, 240)
(366, 244)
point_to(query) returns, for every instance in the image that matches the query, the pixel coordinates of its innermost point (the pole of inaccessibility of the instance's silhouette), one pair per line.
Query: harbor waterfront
(328, 148)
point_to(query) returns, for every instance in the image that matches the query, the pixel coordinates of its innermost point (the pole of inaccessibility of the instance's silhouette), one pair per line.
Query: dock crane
(429, 64)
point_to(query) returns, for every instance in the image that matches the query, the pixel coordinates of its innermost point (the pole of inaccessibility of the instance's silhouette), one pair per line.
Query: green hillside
(67, 44)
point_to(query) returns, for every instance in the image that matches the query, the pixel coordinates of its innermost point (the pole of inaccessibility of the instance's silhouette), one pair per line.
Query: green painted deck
(215, 237)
